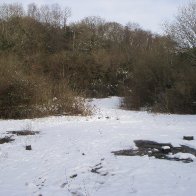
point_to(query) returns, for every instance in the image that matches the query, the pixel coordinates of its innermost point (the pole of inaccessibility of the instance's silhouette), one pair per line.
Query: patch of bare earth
(23, 132)
(157, 150)
(6, 140)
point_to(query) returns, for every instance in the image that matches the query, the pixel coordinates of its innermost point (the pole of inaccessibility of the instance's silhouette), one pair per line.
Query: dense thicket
(43, 59)
(32, 50)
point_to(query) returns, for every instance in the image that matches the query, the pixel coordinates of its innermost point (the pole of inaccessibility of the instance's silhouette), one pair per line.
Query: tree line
(46, 63)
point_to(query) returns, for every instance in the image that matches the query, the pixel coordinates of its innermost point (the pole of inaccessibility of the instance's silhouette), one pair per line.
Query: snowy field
(66, 153)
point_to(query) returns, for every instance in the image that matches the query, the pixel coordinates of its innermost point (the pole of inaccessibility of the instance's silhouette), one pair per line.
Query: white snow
(181, 155)
(166, 147)
(75, 145)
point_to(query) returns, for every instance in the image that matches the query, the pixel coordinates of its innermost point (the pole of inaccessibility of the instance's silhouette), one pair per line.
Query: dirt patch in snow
(158, 150)
(23, 132)
(6, 140)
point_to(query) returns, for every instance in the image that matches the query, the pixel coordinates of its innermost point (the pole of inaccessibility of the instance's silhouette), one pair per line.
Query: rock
(166, 149)
(28, 147)
(74, 176)
(188, 138)
(146, 144)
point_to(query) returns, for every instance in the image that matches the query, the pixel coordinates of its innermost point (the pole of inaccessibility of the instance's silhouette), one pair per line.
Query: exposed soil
(6, 140)
(188, 138)
(157, 150)
(23, 132)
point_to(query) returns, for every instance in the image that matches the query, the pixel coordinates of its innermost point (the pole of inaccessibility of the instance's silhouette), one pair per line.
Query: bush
(179, 99)
(23, 99)
(30, 99)
(29, 96)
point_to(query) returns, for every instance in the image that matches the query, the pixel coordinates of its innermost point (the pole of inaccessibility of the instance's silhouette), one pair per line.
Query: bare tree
(183, 29)
(114, 31)
(45, 14)
(11, 10)
(56, 15)
(132, 26)
(50, 14)
(66, 13)
(33, 11)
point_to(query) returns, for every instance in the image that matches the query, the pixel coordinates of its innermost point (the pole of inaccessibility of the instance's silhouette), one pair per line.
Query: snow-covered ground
(70, 146)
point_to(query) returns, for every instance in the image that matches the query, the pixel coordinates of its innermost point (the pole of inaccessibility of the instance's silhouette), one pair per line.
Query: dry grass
(6, 140)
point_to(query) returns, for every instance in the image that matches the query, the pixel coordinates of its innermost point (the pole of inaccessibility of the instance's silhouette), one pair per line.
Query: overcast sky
(150, 14)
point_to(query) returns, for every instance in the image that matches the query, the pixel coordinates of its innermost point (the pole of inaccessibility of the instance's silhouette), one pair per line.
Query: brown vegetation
(46, 64)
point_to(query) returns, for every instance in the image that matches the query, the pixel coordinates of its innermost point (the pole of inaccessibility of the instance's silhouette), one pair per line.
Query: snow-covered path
(68, 149)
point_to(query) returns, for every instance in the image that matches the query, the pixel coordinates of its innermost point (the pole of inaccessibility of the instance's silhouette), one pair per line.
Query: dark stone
(28, 147)
(166, 150)
(151, 144)
(74, 176)
(188, 138)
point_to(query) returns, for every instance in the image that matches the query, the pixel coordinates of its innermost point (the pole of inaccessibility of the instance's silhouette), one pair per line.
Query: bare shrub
(29, 96)
(29, 99)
